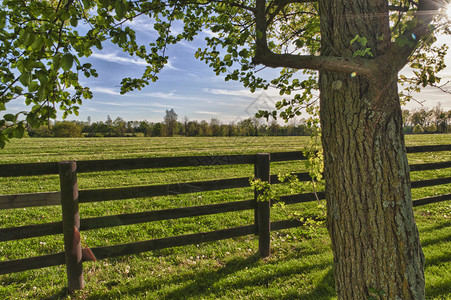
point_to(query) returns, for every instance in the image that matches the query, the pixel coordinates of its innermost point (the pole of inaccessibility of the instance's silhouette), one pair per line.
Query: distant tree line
(170, 126)
(424, 120)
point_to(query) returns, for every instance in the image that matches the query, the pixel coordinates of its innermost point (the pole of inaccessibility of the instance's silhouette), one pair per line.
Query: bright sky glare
(448, 10)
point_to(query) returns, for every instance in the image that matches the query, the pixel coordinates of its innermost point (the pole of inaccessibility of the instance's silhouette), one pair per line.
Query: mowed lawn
(300, 266)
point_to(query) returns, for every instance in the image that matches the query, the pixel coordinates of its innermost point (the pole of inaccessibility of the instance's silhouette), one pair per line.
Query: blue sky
(187, 85)
(190, 87)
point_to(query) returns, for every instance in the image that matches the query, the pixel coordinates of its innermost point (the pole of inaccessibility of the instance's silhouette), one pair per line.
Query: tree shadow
(439, 291)
(204, 282)
(434, 241)
(207, 282)
(435, 227)
(61, 294)
(324, 290)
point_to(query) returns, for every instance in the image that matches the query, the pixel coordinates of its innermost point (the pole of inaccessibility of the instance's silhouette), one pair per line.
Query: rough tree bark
(375, 241)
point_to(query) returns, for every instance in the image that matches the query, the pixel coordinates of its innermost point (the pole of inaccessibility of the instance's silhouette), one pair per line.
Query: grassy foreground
(300, 266)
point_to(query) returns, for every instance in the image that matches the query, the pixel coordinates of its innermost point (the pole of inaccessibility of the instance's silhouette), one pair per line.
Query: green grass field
(300, 266)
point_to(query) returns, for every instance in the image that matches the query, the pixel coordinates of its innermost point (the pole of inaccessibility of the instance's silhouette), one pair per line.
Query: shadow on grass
(244, 275)
(324, 290)
(436, 241)
(438, 260)
(440, 291)
(62, 294)
(435, 227)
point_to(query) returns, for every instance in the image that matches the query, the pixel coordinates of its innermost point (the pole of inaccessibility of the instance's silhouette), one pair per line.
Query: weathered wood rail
(70, 197)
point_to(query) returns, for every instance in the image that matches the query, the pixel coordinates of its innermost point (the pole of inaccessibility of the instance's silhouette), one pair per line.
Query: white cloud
(109, 103)
(143, 25)
(210, 33)
(105, 90)
(170, 66)
(243, 93)
(173, 96)
(201, 112)
(189, 45)
(113, 57)
(159, 95)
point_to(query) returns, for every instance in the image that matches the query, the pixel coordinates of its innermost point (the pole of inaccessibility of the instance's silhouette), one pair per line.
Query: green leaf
(355, 39)
(20, 66)
(56, 62)
(363, 41)
(74, 22)
(10, 118)
(38, 43)
(67, 61)
(120, 8)
(299, 43)
(3, 140)
(43, 76)
(98, 44)
(19, 131)
(65, 15)
(26, 36)
(26, 78)
(32, 120)
(33, 87)
(86, 3)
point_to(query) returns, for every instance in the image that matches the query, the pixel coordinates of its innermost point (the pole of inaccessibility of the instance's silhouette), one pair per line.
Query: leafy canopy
(45, 42)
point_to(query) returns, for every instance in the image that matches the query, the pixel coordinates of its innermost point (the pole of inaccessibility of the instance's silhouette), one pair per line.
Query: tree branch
(281, 4)
(408, 42)
(263, 55)
(398, 8)
(359, 66)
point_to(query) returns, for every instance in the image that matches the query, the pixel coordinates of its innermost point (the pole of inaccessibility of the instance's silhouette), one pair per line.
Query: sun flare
(448, 10)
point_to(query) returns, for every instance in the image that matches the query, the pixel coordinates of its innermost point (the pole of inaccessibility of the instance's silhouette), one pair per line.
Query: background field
(301, 264)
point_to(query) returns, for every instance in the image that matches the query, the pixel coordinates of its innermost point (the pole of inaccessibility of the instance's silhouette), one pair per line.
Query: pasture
(301, 261)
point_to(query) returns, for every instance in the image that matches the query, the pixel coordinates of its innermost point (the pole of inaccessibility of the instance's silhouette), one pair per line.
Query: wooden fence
(69, 198)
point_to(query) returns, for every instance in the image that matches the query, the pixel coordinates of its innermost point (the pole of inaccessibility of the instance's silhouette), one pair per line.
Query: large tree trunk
(375, 241)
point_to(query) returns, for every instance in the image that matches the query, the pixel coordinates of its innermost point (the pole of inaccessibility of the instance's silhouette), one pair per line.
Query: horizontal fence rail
(30, 200)
(48, 168)
(20, 265)
(261, 226)
(87, 196)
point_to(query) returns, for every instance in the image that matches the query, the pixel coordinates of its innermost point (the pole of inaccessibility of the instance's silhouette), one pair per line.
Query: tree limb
(263, 55)
(408, 42)
(359, 66)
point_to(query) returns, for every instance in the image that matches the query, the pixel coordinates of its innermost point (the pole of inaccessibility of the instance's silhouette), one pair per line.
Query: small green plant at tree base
(377, 292)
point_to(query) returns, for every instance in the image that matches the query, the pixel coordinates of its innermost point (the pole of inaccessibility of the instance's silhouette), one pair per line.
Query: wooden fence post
(262, 214)
(71, 224)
